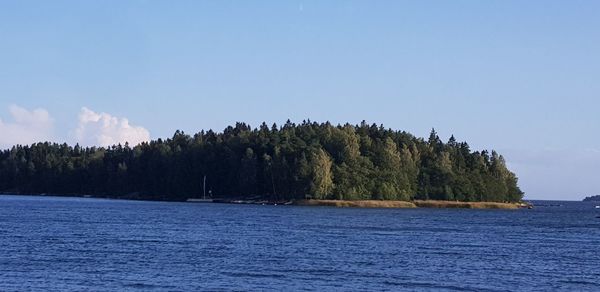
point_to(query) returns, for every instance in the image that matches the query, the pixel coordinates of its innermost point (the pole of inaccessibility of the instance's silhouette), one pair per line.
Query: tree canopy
(293, 161)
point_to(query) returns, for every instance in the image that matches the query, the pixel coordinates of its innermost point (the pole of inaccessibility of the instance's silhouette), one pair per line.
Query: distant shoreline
(595, 198)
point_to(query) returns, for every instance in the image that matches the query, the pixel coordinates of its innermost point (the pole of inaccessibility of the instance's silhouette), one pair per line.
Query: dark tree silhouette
(276, 163)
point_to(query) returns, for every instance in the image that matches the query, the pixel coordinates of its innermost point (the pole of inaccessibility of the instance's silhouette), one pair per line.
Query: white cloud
(102, 129)
(28, 127)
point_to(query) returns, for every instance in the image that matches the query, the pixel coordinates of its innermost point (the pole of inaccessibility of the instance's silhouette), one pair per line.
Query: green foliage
(276, 163)
(322, 177)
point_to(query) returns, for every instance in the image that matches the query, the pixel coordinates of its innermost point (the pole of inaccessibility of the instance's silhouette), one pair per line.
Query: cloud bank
(28, 127)
(102, 129)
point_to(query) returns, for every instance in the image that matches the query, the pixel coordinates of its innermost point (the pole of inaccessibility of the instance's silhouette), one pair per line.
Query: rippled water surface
(68, 244)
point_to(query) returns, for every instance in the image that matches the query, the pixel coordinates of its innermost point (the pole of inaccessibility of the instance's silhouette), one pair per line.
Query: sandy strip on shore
(407, 204)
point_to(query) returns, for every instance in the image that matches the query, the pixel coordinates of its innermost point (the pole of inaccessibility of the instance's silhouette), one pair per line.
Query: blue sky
(520, 77)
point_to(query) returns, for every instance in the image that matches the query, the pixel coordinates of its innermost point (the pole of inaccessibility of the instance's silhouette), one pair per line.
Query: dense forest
(308, 160)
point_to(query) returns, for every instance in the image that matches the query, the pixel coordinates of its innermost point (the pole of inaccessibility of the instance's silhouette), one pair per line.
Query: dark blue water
(68, 244)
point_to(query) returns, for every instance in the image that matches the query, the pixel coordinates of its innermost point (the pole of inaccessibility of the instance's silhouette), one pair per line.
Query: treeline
(595, 198)
(314, 160)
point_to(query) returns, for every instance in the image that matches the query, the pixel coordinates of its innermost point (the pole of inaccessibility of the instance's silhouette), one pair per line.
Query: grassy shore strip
(405, 204)
(358, 203)
(465, 205)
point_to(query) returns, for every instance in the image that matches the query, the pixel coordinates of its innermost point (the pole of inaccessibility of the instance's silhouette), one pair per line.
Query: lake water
(74, 244)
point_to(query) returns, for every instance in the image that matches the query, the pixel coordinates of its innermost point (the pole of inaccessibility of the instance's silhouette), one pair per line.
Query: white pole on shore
(204, 188)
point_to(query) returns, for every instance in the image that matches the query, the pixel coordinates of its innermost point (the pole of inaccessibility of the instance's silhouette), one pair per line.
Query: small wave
(436, 286)
(254, 275)
(581, 282)
(146, 286)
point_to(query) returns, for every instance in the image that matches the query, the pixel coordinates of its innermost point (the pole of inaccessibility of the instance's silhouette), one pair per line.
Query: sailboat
(204, 199)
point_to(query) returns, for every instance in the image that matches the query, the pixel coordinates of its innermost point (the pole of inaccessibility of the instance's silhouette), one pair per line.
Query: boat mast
(204, 188)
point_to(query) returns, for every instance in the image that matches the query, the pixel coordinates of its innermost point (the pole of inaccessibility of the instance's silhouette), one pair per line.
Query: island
(304, 163)
(595, 198)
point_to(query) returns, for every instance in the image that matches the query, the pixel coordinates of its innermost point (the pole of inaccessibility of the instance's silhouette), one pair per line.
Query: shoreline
(323, 203)
(412, 204)
(356, 203)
